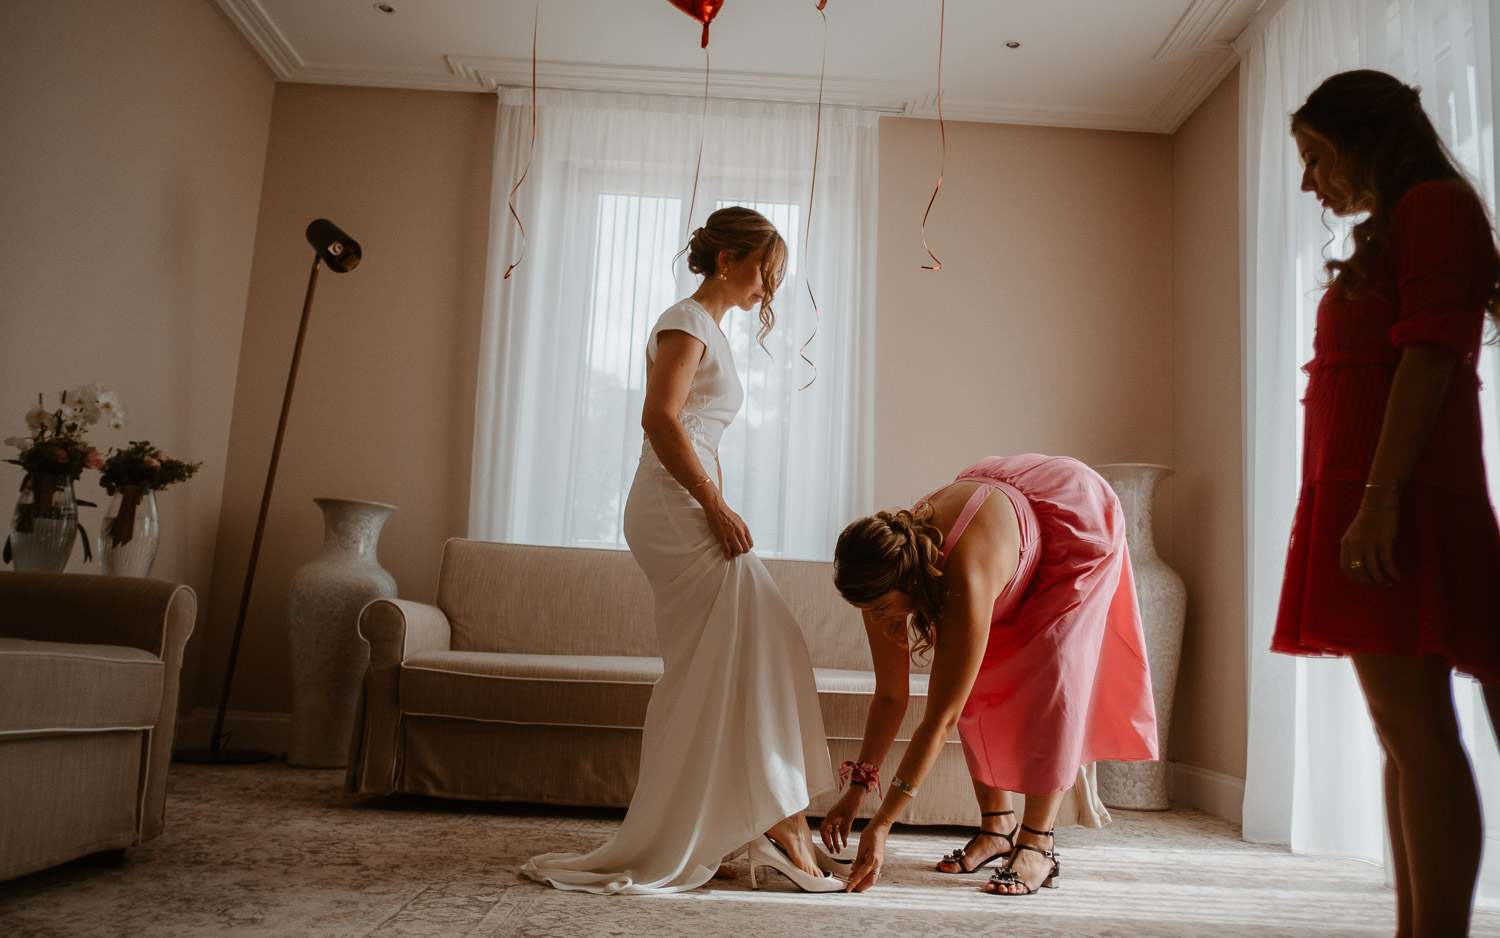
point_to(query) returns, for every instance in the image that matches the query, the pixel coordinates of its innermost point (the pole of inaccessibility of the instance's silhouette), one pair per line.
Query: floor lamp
(341, 253)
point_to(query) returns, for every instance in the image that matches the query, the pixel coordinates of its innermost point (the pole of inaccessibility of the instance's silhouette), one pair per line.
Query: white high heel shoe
(766, 852)
(834, 866)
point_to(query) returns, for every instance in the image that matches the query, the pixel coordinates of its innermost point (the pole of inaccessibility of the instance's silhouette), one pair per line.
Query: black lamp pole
(342, 254)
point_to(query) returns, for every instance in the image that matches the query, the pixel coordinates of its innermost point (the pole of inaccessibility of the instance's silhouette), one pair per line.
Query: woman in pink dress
(1026, 604)
(1395, 555)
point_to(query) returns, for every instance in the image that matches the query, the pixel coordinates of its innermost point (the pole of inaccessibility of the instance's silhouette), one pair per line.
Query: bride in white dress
(733, 743)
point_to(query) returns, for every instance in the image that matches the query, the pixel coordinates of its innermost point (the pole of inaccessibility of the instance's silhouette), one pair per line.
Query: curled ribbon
(942, 130)
(702, 132)
(811, 189)
(511, 200)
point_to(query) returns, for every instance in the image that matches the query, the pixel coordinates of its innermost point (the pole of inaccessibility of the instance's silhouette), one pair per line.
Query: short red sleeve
(1445, 263)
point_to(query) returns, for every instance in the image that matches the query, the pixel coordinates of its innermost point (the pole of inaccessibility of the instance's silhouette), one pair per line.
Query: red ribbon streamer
(812, 188)
(511, 200)
(702, 132)
(937, 264)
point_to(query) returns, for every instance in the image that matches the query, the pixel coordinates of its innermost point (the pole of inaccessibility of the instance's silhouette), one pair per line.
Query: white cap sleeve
(686, 316)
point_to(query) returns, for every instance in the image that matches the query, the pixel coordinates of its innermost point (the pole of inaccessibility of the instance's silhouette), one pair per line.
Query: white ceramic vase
(1163, 602)
(328, 657)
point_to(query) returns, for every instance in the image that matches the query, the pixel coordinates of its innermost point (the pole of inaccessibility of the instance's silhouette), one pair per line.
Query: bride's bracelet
(701, 481)
(864, 774)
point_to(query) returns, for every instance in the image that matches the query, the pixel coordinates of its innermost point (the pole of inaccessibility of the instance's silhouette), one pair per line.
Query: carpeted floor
(271, 851)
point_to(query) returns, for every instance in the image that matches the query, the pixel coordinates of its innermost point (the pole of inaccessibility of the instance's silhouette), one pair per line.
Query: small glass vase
(129, 533)
(44, 524)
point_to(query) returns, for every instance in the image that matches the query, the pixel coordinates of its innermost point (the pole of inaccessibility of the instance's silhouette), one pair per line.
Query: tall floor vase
(328, 658)
(1163, 601)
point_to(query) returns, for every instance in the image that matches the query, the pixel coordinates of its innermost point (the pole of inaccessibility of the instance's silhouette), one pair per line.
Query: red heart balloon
(703, 11)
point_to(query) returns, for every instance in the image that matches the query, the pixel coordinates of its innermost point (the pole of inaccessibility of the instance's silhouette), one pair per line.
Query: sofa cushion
(607, 691)
(845, 699)
(557, 690)
(68, 687)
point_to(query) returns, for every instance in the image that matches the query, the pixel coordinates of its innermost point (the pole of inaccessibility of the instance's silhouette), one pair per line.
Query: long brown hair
(1383, 145)
(740, 231)
(894, 550)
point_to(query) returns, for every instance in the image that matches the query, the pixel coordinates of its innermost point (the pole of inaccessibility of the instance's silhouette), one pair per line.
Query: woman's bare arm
(1411, 409)
(668, 381)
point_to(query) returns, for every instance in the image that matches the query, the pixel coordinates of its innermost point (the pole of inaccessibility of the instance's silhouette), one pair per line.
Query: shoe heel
(753, 884)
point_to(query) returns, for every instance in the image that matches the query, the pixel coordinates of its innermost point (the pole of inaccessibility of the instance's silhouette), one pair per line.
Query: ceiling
(1133, 65)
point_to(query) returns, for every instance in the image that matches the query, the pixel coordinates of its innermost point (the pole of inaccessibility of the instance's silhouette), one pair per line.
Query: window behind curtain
(562, 355)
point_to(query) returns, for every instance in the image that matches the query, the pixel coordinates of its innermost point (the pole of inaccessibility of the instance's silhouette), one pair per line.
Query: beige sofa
(89, 669)
(528, 678)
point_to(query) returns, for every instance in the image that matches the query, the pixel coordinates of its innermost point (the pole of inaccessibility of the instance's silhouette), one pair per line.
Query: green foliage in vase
(143, 465)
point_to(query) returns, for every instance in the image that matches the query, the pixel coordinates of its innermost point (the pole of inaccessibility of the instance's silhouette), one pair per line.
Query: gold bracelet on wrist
(901, 785)
(699, 482)
(1367, 507)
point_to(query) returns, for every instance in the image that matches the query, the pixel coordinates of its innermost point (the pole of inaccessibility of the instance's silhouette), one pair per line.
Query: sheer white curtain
(562, 349)
(1314, 767)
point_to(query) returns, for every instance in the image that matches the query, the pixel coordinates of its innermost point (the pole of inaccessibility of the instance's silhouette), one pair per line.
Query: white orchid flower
(109, 403)
(37, 418)
(22, 443)
(116, 422)
(85, 400)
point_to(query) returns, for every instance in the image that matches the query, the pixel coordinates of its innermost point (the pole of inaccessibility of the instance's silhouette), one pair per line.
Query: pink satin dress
(1064, 681)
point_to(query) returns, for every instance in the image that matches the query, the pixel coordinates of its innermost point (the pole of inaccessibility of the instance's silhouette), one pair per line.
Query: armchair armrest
(153, 615)
(98, 610)
(394, 629)
(397, 628)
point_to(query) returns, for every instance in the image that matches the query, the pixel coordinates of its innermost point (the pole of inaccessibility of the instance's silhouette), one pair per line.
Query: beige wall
(1049, 328)
(1088, 305)
(132, 143)
(384, 402)
(1209, 728)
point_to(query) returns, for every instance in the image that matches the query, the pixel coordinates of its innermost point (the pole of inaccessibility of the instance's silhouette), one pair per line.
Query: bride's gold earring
(721, 275)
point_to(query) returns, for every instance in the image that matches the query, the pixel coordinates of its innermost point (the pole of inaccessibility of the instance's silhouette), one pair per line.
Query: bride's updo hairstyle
(740, 231)
(893, 550)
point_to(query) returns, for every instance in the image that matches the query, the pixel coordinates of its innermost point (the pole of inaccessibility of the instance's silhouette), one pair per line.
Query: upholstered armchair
(89, 669)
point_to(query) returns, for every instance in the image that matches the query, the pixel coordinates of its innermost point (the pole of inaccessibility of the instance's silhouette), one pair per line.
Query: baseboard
(268, 732)
(1214, 792)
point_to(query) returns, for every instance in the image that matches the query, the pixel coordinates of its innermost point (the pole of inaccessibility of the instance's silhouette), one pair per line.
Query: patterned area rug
(271, 851)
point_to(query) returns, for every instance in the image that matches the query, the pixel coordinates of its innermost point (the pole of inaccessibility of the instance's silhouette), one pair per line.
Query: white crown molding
(1199, 41)
(489, 73)
(263, 35)
(1197, 45)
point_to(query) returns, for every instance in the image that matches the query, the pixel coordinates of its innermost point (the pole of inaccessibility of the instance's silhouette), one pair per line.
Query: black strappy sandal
(1006, 877)
(962, 853)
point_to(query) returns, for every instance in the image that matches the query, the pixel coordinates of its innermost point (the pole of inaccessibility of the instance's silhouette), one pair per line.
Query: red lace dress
(1429, 288)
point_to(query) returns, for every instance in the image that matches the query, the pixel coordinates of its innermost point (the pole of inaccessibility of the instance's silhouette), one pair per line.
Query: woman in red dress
(1395, 554)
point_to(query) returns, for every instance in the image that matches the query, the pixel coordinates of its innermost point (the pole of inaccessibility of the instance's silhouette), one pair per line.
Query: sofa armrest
(153, 615)
(99, 610)
(397, 628)
(394, 629)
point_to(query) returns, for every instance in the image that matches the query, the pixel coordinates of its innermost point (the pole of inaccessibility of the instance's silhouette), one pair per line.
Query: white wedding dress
(734, 739)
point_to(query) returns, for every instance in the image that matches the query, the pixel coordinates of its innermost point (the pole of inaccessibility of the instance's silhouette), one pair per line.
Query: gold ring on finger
(1356, 564)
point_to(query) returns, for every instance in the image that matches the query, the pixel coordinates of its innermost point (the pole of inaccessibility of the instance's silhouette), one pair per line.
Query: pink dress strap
(971, 507)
